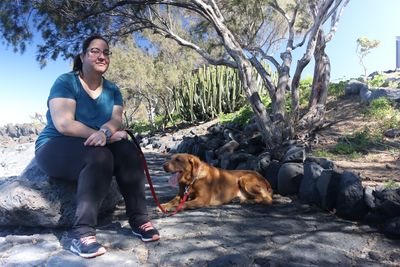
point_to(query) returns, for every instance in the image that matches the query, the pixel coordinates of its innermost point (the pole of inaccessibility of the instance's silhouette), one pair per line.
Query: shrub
(241, 117)
(356, 143)
(380, 108)
(244, 115)
(377, 81)
(305, 90)
(336, 89)
(391, 184)
(143, 126)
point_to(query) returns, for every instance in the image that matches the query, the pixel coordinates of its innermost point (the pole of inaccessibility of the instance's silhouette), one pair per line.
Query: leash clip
(186, 189)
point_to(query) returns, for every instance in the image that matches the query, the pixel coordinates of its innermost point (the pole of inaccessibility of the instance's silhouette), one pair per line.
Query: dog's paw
(166, 207)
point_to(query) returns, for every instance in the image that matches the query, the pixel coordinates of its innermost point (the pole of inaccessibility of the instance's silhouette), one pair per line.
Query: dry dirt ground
(378, 164)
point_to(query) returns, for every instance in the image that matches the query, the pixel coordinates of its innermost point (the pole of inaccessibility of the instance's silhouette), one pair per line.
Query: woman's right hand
(96, 139)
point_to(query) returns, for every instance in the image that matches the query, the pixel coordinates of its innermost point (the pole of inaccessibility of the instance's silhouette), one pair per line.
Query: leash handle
(153, 192)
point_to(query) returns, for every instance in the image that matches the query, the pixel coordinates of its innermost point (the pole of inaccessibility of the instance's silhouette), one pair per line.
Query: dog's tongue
(173, 180)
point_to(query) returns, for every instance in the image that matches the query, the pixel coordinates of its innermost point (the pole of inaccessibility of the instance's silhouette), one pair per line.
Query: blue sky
(24, 86)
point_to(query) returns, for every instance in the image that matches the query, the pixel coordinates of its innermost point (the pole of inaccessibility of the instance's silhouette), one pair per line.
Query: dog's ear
(195, 162)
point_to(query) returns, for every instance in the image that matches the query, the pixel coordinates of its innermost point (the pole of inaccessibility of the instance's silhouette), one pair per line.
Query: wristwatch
(107, 133)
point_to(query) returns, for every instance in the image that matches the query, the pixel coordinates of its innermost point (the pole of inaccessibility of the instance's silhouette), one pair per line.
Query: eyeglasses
(96, 52)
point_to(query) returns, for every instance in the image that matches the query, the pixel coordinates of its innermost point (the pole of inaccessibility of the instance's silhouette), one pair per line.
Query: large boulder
(350, 202)
(34, 199)
(387, 202)
(354, 87)
(368, 95)
(308, 191)
(289, 178)
(270, 172)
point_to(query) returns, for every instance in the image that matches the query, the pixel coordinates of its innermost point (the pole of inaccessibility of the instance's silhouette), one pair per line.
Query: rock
(392, 133)
(328, 188)
(289, 178)
(264, 160)
(350, 199)
(369, 198)
(320, 183)
(250, 164)
(230, 260)
(365, 94)
(295, 153)
(215, 129)
(226, 162)
(228, 148)
(353, 87)
(239, 160)
(34, 199)
(392, 227)
(271, 173)
(323, 162)
(186, 146)
(308, 190)
(255, 144)
(15, 158)
(199, 149)
(389, 93)
(387, 202)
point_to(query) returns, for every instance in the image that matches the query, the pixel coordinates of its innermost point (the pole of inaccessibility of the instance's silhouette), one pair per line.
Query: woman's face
(96, 58)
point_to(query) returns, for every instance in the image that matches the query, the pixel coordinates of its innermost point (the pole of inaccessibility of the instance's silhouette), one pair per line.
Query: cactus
(210, 91)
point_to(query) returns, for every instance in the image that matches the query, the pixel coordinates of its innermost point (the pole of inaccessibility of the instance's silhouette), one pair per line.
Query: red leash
(153, 192)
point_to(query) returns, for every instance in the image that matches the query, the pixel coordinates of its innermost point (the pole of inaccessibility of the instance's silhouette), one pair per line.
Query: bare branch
(335, 22)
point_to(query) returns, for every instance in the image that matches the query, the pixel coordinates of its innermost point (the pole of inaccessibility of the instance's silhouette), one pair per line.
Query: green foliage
(143, 126)
(244, 115)
(377, 81)
(336, 89)
(380, 109)
(241, 117)
(391, 184)
(305, 90)
(358, 142)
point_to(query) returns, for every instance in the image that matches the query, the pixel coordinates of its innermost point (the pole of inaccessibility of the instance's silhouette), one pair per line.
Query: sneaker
(87, 247)
(146, 232)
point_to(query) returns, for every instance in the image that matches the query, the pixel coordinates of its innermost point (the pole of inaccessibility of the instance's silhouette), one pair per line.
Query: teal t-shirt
(91, 112)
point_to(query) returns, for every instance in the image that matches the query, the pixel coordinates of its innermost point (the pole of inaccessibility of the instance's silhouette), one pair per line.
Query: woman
(83, 143)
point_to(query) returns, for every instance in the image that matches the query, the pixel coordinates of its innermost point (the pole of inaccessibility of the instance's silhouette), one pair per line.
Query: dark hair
(77, 66)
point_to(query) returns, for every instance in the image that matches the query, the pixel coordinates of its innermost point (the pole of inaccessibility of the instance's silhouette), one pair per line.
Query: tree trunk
(279, 99)
(316, 112)
(151, 112)
(322, 71)
(271, 136)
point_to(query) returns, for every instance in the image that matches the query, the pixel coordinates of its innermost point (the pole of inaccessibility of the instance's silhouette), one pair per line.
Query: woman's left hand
(118, 136)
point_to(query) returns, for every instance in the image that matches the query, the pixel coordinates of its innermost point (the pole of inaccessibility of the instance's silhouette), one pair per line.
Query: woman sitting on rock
(83, 143)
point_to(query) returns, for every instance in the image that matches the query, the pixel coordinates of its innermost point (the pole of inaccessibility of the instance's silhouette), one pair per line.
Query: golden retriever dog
(211, 186)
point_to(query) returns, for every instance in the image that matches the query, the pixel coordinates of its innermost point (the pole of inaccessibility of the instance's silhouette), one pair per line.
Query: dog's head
(184, 166)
